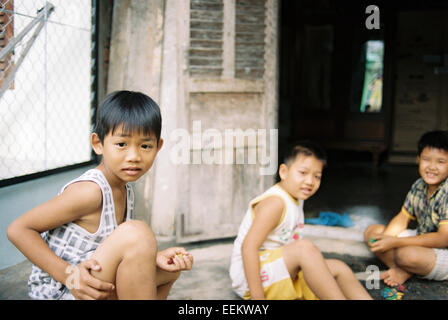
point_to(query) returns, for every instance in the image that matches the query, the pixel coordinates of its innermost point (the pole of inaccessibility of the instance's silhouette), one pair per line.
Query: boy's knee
(338, 267)
(138, 236)
(306, 247)
(341, 265)
(372, 229)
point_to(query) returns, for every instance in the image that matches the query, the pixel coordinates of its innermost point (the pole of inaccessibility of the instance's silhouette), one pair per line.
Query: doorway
(365, 95)
(335, 78)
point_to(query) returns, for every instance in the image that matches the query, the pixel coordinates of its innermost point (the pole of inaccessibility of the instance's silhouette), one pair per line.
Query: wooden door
(225, 78)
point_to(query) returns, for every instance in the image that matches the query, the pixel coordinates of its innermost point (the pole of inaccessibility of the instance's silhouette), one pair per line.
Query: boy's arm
(387, 240)
(437, 239)
(398, 224)
(77, 201)
(267, 216)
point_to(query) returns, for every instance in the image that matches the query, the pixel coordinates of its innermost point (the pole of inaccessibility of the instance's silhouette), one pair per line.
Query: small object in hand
(180, 255)
(401, 288)
(371, 240)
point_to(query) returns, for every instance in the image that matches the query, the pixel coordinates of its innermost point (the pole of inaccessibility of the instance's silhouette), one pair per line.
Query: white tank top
(73, 243)
(289, 228)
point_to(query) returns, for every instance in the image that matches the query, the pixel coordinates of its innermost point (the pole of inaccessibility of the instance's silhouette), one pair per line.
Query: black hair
(134, 110)
(437, 139)
(306, 148)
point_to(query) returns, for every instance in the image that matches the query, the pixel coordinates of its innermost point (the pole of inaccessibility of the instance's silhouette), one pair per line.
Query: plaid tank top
(73, 243)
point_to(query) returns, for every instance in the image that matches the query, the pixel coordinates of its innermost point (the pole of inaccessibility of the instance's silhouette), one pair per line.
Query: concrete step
(349, 241)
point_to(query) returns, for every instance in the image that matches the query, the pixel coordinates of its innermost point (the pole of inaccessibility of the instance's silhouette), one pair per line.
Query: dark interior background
(321, 74)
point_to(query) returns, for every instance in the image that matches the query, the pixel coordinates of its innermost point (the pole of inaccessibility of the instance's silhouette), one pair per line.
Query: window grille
(46, 85)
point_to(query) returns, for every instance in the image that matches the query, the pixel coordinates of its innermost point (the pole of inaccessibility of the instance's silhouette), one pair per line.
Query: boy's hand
(84, 286)
(382, 243)
(174, 259)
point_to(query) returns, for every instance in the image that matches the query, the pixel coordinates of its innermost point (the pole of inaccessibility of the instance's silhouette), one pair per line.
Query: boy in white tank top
(90, 248)
(270, 259)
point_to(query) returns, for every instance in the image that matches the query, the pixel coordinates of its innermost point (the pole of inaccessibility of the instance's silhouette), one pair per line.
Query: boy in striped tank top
(84, 244)
(270, 259)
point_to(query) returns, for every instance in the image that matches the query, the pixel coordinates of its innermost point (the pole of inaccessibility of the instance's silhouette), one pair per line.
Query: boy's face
(433, 166)
(301, 178)
(127, 156)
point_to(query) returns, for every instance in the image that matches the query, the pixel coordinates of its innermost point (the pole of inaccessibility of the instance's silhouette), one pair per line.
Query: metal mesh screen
(45, 85)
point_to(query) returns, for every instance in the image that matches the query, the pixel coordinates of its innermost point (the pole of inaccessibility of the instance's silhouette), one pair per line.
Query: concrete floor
(368, 195)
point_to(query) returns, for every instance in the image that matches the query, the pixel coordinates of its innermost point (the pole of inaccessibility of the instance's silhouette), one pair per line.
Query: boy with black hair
(422, 251)
(270, 259)
(89, 247)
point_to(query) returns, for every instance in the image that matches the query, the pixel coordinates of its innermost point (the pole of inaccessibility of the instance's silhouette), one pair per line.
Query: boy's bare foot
(395, 276)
